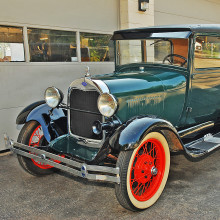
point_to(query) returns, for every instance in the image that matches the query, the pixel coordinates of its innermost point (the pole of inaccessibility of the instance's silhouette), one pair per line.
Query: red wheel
(147, 169)
(35, 140)
(32, 134)
(143, 172)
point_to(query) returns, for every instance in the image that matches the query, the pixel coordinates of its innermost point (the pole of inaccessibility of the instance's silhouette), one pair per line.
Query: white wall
(99, 15)
(131, 17)
(186, 12)
(24, 83)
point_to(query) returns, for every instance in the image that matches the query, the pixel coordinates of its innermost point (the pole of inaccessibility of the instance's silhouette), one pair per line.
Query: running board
(203, 146)
(91, 172)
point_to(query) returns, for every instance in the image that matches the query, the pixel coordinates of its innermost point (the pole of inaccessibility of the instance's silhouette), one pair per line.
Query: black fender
(22, 116)
(53, 124)
(129, 135)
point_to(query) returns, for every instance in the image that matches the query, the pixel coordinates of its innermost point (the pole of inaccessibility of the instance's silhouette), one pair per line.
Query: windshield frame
(186, 36)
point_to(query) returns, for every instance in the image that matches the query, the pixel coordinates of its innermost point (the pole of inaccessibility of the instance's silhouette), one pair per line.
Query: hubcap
(142, 170)
(154, 171)
(147, 170)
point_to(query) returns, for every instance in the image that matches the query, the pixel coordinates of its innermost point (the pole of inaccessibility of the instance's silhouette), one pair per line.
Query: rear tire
(31, 134)
(143, 173)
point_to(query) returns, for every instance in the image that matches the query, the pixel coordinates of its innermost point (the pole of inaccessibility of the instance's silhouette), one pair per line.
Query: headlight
(107, 104)
(53, 97)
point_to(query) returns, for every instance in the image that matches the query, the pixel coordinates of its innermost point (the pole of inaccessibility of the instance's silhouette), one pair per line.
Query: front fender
(129, 135)
(22, 116)
(53, 125)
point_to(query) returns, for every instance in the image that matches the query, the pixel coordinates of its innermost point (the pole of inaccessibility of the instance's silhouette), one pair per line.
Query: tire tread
(26, 163)
(121, 189)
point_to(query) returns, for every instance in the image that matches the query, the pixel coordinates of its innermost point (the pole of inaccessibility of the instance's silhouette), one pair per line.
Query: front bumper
(90, 172)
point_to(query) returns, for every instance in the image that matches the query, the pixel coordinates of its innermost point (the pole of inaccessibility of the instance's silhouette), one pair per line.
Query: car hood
(144, 93)
(159, 91)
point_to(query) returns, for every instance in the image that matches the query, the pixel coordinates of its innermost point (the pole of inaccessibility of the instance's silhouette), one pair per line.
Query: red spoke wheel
(35, 140)
(32, 134)
(143, 172)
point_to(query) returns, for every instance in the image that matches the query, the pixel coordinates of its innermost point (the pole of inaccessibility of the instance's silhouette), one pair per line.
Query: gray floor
(192, 192)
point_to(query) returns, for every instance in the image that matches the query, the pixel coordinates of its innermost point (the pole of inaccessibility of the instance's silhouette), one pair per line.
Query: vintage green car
(163, 97)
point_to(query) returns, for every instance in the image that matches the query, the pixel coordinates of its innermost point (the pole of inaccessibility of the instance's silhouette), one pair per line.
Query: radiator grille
(83, 113)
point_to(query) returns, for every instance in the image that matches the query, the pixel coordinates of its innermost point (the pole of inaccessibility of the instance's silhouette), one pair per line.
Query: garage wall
(24, 83)
(186, 12)
(90, 15)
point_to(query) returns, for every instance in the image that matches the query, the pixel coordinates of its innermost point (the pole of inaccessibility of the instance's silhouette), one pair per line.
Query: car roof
(199, 28)
(195, 28)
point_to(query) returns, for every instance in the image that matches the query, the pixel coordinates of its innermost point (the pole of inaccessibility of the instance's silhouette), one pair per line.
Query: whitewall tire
(143, 172)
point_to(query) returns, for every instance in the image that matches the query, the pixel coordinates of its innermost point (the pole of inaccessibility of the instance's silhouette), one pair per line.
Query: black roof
(182, 27)
(196, 28)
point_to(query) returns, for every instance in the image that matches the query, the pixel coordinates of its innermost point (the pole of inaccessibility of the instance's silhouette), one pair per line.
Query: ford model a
(121, 127)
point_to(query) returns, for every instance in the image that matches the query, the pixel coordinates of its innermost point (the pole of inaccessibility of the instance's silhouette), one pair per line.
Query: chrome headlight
(53, 96)
(107, 104)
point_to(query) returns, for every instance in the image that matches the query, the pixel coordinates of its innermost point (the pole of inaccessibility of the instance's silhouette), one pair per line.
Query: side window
(52, 45)
(96, 47)
(11, 44)
(207, 52)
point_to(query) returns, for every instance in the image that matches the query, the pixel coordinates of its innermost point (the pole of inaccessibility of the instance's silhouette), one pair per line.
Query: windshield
(163, 51)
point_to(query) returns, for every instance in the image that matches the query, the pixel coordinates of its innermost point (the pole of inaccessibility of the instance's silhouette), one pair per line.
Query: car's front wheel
(32, 134)
(143, 172)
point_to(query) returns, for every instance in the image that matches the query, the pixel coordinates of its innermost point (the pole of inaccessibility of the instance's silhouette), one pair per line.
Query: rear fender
(53, 125)
(129, 135)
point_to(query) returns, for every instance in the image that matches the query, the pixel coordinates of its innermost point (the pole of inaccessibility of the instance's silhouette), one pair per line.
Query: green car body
(181, 95)
(162, 97)
(158, 91)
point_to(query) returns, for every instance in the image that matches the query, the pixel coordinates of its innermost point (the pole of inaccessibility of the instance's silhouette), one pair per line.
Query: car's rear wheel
(143, 172)
(32, 134)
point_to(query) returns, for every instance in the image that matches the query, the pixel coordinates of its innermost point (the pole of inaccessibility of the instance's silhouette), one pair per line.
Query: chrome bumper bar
(99, 173)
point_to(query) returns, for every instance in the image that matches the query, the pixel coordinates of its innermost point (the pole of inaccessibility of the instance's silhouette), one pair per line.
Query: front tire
(143, 172)
(31, 134)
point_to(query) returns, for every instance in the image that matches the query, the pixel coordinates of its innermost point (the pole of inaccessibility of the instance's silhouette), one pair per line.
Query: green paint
(69, 145)
(159, 90)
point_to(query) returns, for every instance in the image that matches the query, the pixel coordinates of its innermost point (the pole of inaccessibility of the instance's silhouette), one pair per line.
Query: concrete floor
(192, 192)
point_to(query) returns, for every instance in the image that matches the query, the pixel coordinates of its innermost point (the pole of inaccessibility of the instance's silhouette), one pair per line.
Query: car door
(204, 97)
